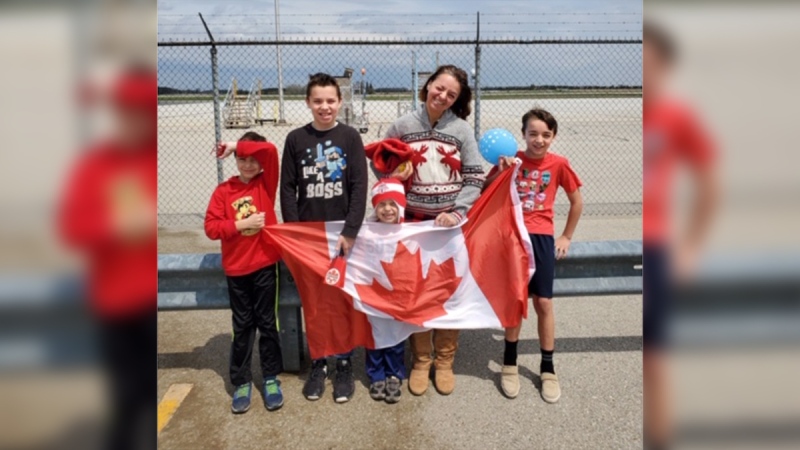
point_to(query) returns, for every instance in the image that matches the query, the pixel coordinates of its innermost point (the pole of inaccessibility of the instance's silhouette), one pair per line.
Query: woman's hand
(446, 220)
(403, 171)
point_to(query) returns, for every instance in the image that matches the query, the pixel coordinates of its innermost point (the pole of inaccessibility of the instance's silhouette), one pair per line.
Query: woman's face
(442, 93)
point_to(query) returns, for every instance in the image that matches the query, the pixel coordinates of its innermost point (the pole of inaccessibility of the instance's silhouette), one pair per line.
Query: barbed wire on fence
(592, 86)
(301, 26)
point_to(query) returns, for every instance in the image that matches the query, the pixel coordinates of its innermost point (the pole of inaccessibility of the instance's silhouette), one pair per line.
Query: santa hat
(388, 154)
(389, 189)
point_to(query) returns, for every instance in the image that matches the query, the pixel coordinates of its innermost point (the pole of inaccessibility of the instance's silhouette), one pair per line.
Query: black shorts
(656, 296)
(544, 256)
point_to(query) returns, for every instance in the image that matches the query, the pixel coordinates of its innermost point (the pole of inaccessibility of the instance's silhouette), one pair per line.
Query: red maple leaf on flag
(412, 298)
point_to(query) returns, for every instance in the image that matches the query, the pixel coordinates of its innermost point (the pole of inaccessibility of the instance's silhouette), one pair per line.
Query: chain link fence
(593, 88)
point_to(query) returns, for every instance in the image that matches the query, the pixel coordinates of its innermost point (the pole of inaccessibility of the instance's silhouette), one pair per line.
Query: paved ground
(598, 360)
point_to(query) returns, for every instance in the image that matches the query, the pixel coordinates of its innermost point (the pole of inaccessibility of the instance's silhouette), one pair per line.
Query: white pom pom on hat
(389, 189)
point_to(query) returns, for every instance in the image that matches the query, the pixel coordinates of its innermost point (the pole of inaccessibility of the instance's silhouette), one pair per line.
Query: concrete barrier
(196, 281)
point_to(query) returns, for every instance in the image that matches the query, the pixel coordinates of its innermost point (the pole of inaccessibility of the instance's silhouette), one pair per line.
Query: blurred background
(735, 351)
(67, 70)
(735, 327)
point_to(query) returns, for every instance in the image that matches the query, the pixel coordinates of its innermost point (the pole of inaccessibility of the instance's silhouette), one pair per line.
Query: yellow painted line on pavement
(170, 403)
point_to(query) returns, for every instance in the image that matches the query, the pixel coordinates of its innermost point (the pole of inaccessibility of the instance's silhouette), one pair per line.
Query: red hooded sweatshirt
(122, 275)
(112, 181)
(245, 251)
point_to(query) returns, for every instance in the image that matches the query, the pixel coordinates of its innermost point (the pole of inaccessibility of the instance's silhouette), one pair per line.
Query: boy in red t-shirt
(237, 213)
(674, 140)
(538, 180)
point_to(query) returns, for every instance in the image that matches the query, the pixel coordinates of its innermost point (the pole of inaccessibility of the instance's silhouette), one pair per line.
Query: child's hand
(344, 244)
(507, 162)
(255, 221)
(225, 148)
(403, 171)
(562, 246)
(683, 263)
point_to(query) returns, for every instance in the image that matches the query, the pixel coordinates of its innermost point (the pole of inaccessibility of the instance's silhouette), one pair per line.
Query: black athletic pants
(129, 347)
(253, 300)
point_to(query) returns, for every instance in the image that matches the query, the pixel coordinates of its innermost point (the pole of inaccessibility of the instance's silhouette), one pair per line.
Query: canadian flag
(405, 278)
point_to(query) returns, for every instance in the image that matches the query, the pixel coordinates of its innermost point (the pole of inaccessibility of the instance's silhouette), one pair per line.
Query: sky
(390, 66)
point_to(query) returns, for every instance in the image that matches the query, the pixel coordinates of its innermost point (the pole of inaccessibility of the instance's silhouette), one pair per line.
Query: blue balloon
(495, 143)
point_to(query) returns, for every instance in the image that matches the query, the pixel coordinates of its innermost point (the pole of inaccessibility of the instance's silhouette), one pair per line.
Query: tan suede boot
(421, 348)
(445, 344)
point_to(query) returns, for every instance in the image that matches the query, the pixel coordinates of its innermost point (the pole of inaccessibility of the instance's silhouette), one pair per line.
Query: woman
(446, 178)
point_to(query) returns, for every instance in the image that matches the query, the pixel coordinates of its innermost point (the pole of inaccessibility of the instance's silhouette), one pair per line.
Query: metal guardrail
(45, 322)
(600, 268)
(196, 281)
(736, 299)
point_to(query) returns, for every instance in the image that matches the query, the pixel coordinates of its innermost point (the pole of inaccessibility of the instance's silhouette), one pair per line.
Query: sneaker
(377, 390)
(273, 397)
(315, 384)
(241, 398)
(343, 383)
(509, 381)
(551, 391)
(393, 389)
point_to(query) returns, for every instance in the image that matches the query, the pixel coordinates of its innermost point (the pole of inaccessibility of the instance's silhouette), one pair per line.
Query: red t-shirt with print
(537, 183)
(672, 136)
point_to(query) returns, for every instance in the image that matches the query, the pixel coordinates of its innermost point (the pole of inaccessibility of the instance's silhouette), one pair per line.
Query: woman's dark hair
(322, 80)
(461, 106)
(544, 116)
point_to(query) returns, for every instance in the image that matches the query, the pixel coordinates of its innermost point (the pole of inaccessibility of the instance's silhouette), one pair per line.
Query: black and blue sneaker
(241, 398)
(273, 397)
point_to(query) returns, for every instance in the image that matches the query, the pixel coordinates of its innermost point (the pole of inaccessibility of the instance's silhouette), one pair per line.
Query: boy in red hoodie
(108, 212)
(237, 213)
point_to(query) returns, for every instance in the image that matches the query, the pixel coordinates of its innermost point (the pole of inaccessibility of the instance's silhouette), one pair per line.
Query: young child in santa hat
(385, 367)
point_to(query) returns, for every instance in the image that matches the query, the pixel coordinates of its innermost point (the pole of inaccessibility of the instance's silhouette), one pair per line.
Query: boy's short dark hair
(544, 116)
(661, 40)
(461, 106)
(253, 136)
(322, 80)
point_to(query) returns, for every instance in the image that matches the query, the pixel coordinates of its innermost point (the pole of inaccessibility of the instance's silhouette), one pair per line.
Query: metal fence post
(280, 64)
(414, 81)
(217, 119)
(478, 80)
(215, 86)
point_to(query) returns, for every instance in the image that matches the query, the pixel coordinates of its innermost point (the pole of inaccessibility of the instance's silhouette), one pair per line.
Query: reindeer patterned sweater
(448, 174)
